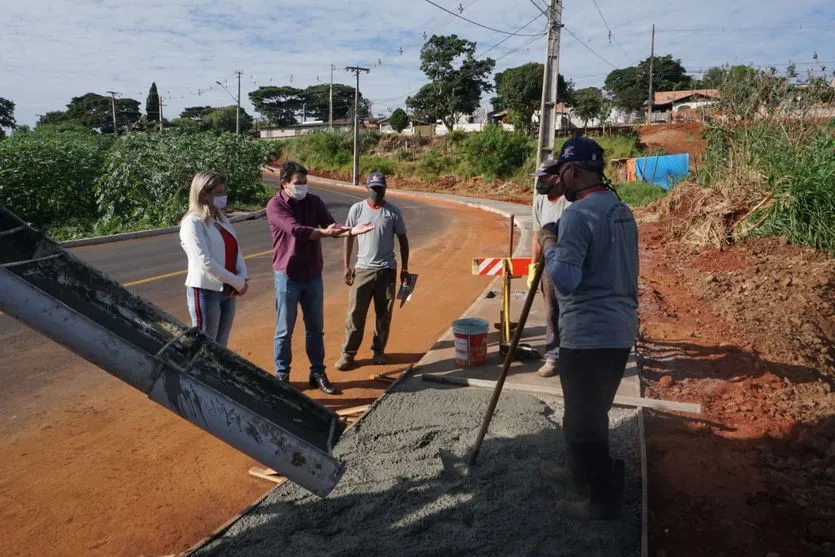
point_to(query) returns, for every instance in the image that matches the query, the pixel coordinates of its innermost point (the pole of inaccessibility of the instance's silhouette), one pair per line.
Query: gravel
(395, 499)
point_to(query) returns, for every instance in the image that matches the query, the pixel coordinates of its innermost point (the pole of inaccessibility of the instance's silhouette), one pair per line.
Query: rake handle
(517, 335)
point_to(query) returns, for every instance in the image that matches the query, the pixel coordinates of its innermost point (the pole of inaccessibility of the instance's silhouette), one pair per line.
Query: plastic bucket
(470, 341)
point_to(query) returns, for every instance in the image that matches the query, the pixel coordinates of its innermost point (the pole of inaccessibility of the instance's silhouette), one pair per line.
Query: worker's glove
(548, 235)
(531, 274)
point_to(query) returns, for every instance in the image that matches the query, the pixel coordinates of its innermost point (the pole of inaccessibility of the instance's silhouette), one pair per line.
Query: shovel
(455, 465)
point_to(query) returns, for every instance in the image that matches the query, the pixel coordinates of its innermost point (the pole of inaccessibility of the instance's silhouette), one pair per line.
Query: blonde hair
(198, 202)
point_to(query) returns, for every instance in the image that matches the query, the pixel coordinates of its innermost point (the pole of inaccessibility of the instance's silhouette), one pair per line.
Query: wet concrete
(395, 499)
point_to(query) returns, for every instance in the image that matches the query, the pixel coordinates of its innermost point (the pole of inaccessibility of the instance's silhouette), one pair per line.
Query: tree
(519, 90)
(629, 87)
(95, 112)
(317, 99)
(588, 103)
(152, 104)
(7, 119)
(223, 119)
(712, 79)
(196, 113)
(279, 105)
(399, 120)
(453, 91)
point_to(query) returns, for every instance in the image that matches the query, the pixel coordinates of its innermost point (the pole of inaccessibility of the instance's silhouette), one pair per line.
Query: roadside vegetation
(78, 183)
(769, 168)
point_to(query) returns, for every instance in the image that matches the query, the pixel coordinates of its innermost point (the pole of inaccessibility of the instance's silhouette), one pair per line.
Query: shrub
(495, 153)
(639, 194)
(433, 164)
(147, 176)
(370, 164)
(47, 177)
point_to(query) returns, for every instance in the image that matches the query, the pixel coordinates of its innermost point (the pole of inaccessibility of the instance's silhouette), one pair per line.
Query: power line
(459, 16)
(514, 34)
(611, 34)
(739, 28)
(590, 49)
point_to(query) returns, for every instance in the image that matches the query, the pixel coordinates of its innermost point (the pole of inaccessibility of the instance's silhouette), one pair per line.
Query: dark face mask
(376, 195)
(543, 186)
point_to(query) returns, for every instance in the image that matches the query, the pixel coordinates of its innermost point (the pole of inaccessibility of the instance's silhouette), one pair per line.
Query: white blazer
(206, 253)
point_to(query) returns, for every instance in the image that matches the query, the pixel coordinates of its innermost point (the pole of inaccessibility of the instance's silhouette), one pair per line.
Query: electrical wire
(582, 42)
(459, 16)
(611, 33)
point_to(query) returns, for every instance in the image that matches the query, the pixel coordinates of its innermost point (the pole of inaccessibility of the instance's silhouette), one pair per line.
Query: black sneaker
(321, 381)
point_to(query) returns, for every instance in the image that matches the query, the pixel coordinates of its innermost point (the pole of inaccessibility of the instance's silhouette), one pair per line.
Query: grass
(640, 194)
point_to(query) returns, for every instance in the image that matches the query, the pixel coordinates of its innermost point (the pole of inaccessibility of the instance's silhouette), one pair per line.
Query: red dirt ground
(674, 139)
(748, 332)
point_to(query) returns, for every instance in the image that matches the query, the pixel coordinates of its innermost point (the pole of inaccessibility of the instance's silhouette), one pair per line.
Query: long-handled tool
(455, 465)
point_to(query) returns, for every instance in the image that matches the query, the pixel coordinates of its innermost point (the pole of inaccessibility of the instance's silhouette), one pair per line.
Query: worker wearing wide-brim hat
(591, 256)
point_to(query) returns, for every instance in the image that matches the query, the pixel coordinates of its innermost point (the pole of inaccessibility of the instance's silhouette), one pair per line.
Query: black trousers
(590, 379)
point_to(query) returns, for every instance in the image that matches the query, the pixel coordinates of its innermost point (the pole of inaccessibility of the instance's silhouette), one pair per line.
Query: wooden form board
(620, 400)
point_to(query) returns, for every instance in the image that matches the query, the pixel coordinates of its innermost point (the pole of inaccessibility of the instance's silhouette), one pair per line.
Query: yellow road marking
(176, 273)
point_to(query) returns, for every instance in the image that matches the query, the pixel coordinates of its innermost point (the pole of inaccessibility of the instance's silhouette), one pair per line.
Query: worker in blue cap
(591, 256)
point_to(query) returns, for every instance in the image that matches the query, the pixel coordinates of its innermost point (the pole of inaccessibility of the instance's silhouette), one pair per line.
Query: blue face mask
(376, 195)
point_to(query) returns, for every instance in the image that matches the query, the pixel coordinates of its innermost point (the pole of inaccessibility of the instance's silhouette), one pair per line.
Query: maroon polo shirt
(291, 223)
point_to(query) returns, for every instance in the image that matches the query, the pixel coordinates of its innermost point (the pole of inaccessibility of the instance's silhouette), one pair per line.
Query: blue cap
(376, 180)
(583, 152)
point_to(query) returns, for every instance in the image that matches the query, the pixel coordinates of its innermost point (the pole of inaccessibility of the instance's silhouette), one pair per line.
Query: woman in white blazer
(216, 268)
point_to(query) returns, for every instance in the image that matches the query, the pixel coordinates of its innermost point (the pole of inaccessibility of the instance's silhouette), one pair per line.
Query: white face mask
(297, 191)
(219, 201)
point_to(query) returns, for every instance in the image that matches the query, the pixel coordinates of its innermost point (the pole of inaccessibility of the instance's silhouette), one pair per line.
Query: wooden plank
(353, 410)
(267, 474)
(620, 400)
(384, 378)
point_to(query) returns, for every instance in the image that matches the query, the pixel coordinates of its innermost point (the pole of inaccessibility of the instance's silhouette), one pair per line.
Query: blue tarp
(665, 170)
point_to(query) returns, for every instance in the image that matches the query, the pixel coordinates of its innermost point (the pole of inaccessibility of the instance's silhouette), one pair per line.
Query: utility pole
(113, 108)
(356, 70)
(238, 111)
(651, 63)
(330, 104)
(548, 105)
(237, 101)
(161, 104)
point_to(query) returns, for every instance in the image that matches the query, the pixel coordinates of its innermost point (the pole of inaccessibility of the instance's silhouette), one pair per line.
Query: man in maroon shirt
(298, 221)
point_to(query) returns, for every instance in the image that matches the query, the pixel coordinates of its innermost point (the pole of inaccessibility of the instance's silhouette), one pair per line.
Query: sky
(53, 50)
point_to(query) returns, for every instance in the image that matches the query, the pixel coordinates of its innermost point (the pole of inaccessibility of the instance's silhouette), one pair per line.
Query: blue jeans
(212, 311)
(289, 294)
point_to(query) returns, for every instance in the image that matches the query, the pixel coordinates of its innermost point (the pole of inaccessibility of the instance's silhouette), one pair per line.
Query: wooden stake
(267, 474)
(688, 407)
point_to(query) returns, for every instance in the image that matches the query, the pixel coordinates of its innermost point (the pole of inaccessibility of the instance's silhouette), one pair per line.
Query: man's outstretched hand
(362, 228)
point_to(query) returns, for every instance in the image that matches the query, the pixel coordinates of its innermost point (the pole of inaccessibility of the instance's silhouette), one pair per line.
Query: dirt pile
(748, 332)
(395, 498)
(674, 139)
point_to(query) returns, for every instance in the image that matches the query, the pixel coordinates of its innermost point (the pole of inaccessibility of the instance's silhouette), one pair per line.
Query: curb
(147, 233)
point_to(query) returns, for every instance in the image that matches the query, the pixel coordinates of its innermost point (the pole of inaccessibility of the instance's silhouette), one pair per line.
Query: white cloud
(56, 49)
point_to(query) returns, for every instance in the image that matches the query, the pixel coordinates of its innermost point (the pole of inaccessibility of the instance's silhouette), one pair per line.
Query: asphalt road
(33, 367)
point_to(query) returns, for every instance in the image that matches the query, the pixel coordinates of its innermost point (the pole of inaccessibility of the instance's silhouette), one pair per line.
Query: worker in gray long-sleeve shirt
(591, 257)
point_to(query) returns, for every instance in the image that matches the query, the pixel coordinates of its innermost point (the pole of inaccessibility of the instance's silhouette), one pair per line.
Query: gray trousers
(370, 284)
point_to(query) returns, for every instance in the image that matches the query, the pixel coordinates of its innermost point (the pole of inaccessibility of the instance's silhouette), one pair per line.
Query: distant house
(343, 124)
(682, 105)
